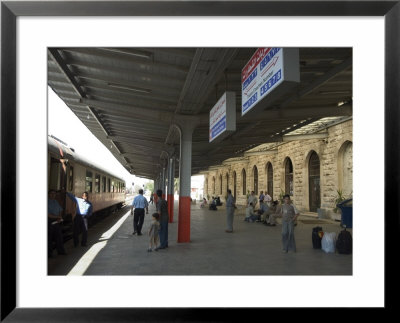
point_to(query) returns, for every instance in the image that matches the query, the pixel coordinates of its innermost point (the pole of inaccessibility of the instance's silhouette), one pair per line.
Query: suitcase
(316, 237)
(344, 243)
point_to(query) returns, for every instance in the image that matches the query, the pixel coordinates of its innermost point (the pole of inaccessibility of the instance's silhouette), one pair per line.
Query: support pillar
(163, 182)
(185, 173)
(170, 191)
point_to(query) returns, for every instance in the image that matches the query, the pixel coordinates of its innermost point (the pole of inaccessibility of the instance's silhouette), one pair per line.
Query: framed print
(12, 11)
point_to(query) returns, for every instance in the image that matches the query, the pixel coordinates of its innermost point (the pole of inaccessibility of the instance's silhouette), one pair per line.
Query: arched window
(213, 184)
(244, 182)
(234, 184)
(288, 177)
(345, 168)
(255, 180)
(270, 180)
(220, 184)
(314, 190)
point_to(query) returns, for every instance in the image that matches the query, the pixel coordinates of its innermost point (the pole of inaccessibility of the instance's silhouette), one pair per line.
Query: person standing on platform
(139, 204)
(54, 225)
(267, 199)
(230, 210)
(289, 215)
(151, 198)
(84, 210)
(261, 197)
(162, 209)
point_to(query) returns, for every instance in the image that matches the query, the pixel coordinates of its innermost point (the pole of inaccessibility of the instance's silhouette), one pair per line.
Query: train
(71, 172)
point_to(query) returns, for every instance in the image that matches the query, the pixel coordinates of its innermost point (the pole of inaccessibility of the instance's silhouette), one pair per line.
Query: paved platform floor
(252, 249)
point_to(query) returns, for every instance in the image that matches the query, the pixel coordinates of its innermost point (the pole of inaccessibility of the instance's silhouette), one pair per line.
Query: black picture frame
(10, 10)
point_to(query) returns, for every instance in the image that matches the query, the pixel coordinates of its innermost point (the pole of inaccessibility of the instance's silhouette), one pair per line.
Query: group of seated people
(267, 213)
(215, 201)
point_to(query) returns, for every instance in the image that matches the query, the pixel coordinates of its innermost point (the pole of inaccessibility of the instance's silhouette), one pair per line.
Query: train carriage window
(109, 185)
(123, 187)
(112, 186)
(71, 178)
(89, 181)
(97, 183)
(104, 184)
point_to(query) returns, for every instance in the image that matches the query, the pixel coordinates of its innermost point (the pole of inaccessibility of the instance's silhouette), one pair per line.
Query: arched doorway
(270, 179)
(288, 177)
(227, 182)
(220, 184)
(255, 180)
(314, 188)
(206, 187)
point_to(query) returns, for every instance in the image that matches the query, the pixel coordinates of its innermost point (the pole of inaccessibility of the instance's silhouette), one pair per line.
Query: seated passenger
(213, 205)
(204, 203)
(263, 211)
(218, 201)
(275, 212)
(250, 215)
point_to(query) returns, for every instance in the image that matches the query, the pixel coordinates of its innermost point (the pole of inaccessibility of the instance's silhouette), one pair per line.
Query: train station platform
(252, 249)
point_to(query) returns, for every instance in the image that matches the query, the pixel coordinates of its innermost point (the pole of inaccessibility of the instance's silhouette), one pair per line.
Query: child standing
(153, 232)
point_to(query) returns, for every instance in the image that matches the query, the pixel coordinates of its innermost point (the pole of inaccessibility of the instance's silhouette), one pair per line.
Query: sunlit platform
(252, 249)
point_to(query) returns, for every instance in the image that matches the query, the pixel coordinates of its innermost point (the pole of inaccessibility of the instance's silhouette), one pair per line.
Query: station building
(311, 164)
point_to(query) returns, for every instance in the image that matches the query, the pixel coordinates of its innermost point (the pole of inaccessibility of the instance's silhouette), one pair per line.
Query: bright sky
(61, 120)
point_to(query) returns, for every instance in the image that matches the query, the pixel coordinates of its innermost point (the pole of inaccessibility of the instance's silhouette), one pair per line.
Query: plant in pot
(337, 213)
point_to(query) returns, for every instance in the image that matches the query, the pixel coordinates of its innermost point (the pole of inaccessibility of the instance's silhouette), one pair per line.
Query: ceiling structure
(129, 98)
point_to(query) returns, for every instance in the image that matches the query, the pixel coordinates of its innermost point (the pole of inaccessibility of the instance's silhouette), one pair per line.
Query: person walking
(139, 204)
(84, 210)
(230, 210)
(151, 198)
(162, 209)
(289, 216)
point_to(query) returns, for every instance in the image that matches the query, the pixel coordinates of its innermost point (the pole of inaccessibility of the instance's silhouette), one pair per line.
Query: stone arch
(255, 179)
(345, 168)
(213, 186)
(244, 192)
(269, 178)
(227, 181)
(312, 185)
(234, 184)
(220, 184)
(288, 176)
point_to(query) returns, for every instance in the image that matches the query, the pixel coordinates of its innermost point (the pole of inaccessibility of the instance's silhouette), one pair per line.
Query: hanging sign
(267, 70)
(223, 116)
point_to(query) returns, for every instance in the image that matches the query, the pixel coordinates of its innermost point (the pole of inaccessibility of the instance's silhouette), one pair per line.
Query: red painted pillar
(184, 219)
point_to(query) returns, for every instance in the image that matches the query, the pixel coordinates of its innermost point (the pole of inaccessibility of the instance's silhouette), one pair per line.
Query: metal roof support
(170, 189)
(186, 126)
(127, 110)
(71, 79)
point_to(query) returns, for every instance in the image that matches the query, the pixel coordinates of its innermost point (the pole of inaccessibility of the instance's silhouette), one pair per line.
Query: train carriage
(75, 173)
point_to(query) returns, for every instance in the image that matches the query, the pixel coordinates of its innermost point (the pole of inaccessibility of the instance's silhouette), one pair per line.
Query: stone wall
(336, 168)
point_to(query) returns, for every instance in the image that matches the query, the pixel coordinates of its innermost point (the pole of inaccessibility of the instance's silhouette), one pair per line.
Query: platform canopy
(130, 98)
